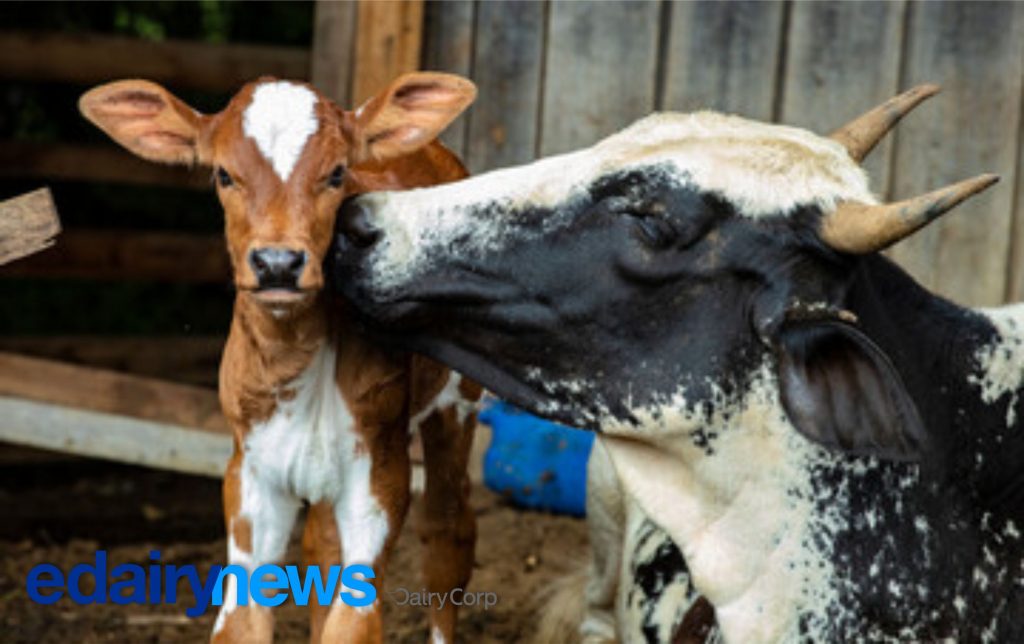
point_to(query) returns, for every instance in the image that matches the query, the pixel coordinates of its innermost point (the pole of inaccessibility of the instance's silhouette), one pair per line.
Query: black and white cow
(806, 439)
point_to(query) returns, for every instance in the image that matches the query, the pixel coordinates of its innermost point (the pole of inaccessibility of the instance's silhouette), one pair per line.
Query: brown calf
(320, 414)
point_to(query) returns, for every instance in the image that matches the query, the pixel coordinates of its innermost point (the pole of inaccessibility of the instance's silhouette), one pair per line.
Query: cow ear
(841, 391)
(409, 114)
(147, 120)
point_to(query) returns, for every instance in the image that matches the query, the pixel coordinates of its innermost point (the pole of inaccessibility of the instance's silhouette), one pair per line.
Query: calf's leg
(446, 523)
(259, 519)
(369, 517)
(321, 546)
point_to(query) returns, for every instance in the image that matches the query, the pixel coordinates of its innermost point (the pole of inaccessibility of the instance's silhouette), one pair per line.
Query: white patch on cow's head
(1000, 364)
(280, 119)
(761, 169)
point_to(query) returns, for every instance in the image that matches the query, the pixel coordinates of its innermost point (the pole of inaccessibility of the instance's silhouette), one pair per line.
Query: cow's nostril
(354, 221)
(277, 267)
(258, 261)
(298, 260)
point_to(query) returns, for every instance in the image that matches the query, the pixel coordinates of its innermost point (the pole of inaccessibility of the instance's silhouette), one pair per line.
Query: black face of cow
(641, 288)
(595, 289)
(614, 287)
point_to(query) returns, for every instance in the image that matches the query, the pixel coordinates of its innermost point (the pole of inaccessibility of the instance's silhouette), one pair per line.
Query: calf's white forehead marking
(280, 119)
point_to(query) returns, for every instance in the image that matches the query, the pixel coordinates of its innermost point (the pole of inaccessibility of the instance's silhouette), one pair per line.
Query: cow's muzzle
(354, 222)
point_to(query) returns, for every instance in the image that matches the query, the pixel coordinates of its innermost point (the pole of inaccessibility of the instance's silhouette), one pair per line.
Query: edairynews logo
(157, 583)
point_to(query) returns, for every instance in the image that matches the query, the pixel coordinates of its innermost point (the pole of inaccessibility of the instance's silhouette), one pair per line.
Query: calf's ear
(147, 120)
(841, 391)
(410, 113)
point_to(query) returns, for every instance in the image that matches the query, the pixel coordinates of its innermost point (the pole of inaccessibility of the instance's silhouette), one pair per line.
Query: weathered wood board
(1015, 263)
(600, 70)
(89, 162)
(120, 438)
(190, 359)
(509, 56)
(448, 47)
(110, 392)
(830, 79)
(974, 50)
(389, 35)
(130, 255)
(85, 59)
(332, 57)
(28, 224)
(723, 56)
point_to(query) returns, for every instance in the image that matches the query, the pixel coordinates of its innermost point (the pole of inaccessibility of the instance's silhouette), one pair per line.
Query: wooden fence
(553, 76)
(556, 76)
(134, 416)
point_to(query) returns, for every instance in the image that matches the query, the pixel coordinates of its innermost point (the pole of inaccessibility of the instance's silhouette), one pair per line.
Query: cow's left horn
(863, 133)
(860, 228)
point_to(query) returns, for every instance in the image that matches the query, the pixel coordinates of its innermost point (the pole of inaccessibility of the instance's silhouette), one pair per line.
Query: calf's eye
(336, 177)
(223, 178)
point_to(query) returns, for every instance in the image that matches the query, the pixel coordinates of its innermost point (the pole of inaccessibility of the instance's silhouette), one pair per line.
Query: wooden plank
(1015, 264)
(28, 225)
(109, 392)
(448, 47)
(974, 50)
(599, 71)
(130, 255)
(389, 36)
(85, 59)
(843, 59)
(509, 57)
(101, 435)
(334, 25)
(72, 162)
(723, 56)
(190, 360)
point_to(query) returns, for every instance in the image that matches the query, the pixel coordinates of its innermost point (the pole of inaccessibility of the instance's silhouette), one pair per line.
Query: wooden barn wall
(557, 75)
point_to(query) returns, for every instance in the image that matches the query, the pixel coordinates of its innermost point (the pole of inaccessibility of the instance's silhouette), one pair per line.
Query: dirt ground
(62, 512)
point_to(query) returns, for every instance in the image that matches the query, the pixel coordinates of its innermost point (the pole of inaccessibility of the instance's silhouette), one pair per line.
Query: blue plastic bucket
(536, 463)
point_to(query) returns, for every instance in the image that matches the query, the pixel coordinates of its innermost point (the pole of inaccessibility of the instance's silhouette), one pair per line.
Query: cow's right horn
(860, 228)
(863, 133)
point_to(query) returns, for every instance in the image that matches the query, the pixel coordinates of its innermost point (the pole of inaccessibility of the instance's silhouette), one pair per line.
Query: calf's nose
(277, 267)
(354, 223)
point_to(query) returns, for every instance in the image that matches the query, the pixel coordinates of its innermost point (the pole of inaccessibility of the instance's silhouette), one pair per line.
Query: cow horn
(860, 228)
(863, 133)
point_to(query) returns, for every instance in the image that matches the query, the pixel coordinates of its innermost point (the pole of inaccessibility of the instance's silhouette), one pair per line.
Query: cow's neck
(971, 405)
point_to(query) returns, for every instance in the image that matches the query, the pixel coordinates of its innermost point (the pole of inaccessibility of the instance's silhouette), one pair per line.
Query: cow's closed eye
(655, 231)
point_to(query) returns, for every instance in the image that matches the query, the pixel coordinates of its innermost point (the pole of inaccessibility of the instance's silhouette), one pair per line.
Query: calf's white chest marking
(309, 448)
